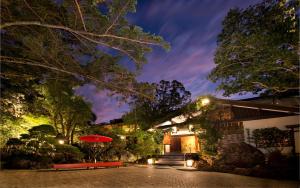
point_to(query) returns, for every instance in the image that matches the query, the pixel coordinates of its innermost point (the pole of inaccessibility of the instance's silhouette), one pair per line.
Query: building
(236, 120)
(116, 124)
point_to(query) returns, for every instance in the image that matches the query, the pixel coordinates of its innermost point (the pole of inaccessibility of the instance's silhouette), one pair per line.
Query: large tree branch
(276, 89)
(85, 35)
(36, 23)
(117, 17)
(80, 13)
(110, 46)
(56, 69)
(36, 14)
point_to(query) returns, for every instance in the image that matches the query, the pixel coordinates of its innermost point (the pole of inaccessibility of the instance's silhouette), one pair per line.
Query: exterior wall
(125, 127)
(232, 132)
(280, 123)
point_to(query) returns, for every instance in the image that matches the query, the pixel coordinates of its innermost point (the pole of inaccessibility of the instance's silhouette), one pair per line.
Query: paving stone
(131, 177)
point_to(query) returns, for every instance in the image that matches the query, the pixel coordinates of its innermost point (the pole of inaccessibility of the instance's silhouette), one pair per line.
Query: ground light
(189, 162)
(60, 138)
(150, 161)
(61, 141)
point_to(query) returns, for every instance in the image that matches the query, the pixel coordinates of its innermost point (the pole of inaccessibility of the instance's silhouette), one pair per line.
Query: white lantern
(61, 141)
(189, 162)
(150, 161)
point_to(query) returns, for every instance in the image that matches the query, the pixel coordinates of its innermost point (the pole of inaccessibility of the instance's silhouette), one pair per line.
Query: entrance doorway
(175, 144)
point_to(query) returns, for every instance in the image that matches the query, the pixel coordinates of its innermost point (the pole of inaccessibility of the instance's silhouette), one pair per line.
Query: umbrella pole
(94, 148)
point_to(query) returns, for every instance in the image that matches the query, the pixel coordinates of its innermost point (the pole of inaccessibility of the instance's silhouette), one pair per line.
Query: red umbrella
(95, 138)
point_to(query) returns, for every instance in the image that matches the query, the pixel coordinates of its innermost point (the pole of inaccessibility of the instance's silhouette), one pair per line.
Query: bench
(88, 165)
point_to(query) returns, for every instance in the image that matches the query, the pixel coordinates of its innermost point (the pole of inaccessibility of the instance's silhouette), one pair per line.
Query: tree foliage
(208, 135)
(258, 49)
(13, 128)
(42, 130)
(143, 144)
(67, 111)
(79, 40)
(169, 98)
(72, 42)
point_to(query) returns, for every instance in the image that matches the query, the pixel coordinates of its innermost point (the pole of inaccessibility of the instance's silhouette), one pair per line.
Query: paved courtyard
(132, 177)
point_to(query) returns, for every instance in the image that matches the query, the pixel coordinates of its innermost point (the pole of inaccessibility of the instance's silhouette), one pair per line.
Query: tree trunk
(55, 123)
(72, 134)
(62, 124)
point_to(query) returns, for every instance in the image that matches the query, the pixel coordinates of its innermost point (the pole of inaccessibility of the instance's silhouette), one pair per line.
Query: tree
(208, 135)
(76, 42)
(142, 144)
(258, 49)
(168, 100)
(68, 111)
(14, 127)
(85, 40)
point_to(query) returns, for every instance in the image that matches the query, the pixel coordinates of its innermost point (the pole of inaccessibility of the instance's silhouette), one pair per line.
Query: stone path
(132, 177)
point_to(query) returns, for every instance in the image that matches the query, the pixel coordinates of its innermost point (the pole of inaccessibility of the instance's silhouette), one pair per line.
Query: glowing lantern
(189, 162)
(150, 161)
(61, 141)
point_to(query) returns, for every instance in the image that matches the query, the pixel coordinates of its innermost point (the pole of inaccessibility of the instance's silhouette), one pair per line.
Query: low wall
(280, 123)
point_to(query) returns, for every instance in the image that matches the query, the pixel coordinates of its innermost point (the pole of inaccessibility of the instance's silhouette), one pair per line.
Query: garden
(59, 57)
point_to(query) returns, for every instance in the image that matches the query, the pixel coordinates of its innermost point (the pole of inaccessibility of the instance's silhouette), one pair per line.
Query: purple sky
(191, 27)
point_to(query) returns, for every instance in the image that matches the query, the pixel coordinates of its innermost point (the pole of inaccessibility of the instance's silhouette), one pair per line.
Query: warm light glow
(189, 163)
(150, 161)
(174, 129)
(123, 137)
(205, 101)
(61, 141)
(191, 127)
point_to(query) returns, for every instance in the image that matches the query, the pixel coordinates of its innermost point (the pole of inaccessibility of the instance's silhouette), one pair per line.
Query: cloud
(192, 28)
(103, 105)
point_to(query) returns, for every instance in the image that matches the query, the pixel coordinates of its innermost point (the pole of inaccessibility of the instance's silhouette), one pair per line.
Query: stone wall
(232, 132)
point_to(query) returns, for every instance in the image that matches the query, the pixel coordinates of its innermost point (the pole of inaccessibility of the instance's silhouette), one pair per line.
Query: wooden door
(175, 144)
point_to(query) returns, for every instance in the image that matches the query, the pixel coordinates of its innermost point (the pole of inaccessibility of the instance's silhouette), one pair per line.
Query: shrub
(67, 154)
(42, 130)
(271, 137)
(14, 142)
(142, 144)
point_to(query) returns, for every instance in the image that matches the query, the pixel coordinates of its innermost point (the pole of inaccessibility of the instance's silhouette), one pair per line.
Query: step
(172, 158)
(165, 159)
(170, 163)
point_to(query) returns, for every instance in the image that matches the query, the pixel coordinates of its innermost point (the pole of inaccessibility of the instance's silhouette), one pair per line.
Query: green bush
(14, 142)
(143, 144)
(67, 154)
(272, 137)
(42, 129)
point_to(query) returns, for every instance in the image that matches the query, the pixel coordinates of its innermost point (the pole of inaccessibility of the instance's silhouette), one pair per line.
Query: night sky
(191, 27)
